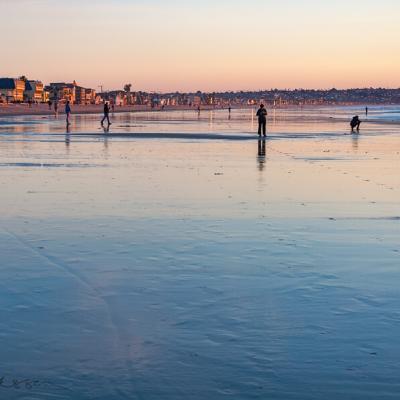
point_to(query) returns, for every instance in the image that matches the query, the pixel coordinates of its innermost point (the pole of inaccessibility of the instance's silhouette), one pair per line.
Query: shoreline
(14, 110)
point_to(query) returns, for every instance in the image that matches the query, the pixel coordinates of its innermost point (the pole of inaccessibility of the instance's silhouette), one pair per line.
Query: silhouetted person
(67, 111)
(49, 103)
(262, 120)
(366, 110)
(355, 123)
(106, 112)
(55, 107)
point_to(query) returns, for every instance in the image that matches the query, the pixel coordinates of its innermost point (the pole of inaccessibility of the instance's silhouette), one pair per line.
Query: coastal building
(34, 91)
(75, 94)
(90, 96)
(195, 100)
(118, 97)
(62, 92)
(45, 95)
(12, 90)
(80, 95)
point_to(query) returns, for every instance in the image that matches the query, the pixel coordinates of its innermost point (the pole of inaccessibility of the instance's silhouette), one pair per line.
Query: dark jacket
(262, 114)
(354, 122)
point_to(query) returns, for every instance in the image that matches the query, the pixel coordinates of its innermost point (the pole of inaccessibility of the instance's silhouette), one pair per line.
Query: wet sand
(9, 110)
(177, 256)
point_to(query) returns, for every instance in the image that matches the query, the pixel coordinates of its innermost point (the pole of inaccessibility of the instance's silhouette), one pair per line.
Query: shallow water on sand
(181, 266)
(214, 123)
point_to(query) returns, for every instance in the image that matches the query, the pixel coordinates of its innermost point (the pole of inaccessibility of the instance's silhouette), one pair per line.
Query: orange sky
(205, 45)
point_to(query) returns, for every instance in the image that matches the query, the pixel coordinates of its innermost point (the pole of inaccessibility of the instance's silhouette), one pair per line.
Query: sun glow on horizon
(188, 46)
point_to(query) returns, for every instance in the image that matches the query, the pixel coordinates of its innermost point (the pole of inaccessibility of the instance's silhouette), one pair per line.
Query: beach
(24, 109)
(175, 255)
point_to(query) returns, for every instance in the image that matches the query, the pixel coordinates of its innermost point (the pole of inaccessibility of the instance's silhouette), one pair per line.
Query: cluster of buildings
(277, 97)
(31, 91)
(23, 90)
(19, 90)
(272, 98)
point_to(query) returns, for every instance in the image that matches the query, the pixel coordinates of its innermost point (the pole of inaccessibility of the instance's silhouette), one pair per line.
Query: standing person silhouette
(68, 111)
(262, 120)
(106, 113)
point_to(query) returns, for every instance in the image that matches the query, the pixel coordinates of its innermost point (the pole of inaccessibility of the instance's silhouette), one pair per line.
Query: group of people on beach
(261, 115)
(106, 112)
(262, 121)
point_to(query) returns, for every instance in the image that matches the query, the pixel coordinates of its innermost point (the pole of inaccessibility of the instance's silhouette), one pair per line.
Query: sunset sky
(166, 45)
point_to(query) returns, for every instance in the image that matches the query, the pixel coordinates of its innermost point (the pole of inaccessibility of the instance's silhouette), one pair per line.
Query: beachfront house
(45, 95)
(34, 91)
(116, 97)
(80, 95)
(63, 92)
(84, 95)
(90, 96)
(12, 90)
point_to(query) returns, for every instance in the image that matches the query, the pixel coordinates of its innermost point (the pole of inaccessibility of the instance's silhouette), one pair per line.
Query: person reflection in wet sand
(261, 154)
(67, 136)
(105, 149)
(354, 142)
(106, 128)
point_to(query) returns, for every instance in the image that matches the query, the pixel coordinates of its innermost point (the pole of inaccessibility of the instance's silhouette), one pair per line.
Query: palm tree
(127, 89)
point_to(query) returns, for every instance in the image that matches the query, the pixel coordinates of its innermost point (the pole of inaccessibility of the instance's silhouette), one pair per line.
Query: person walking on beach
(106, 114)
(55, 108)
(366, 111)
(262, 120)
(355, 123)
(67, 111)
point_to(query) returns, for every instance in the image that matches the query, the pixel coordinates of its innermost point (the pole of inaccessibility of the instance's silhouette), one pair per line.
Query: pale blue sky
(204, 44)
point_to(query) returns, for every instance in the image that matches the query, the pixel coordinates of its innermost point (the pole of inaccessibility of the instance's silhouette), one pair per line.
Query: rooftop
(7, 83)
